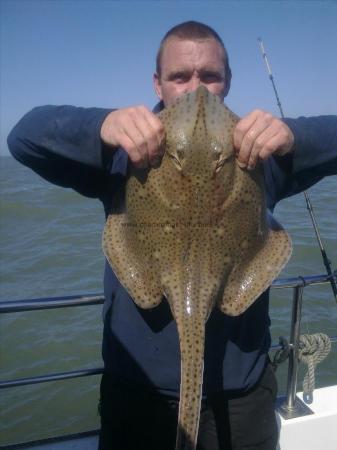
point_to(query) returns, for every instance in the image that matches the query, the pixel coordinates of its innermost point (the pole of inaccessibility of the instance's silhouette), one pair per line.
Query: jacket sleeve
(63, 145)
(313, 158)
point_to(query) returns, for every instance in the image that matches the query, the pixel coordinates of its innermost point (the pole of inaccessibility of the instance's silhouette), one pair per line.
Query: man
(184, 62)
(88, 150)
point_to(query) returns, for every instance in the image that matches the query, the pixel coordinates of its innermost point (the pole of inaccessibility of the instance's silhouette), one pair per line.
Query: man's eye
(180, 78)
(211, 77)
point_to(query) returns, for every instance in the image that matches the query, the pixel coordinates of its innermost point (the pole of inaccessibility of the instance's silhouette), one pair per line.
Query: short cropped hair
(194, 31)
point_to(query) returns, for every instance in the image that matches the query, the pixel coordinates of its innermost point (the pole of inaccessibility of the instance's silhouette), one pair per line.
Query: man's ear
(157, 85)
(228, 82)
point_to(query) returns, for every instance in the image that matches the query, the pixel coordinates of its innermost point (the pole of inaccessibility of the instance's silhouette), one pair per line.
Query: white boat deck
(316, 431)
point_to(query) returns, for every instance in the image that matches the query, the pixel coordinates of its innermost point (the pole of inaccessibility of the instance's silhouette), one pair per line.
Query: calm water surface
(51, 246)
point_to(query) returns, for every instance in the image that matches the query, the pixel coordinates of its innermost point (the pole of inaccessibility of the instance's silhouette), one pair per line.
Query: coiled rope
(313, 348)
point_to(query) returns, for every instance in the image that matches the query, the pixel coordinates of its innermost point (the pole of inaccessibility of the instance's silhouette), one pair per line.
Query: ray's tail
(192, 336)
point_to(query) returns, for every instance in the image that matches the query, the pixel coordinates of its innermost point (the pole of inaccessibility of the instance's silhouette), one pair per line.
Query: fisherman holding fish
(89, 150)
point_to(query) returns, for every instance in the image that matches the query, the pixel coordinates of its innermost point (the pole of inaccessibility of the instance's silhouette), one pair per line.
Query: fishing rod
(326, 260)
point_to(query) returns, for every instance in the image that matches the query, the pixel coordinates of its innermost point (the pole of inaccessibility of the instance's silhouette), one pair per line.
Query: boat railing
(292, 406)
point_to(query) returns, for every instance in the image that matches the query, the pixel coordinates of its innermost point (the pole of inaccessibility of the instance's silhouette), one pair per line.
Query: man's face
(186, 64)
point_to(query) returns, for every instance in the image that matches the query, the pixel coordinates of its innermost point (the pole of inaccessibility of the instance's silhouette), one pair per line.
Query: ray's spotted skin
(195, 230)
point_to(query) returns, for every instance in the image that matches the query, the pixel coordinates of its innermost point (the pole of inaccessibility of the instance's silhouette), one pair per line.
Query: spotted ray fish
(195, 230)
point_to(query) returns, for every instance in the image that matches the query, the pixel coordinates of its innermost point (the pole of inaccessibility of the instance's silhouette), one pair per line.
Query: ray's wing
(128, 251)
(249, 279)
(250, 238)
(133, 241)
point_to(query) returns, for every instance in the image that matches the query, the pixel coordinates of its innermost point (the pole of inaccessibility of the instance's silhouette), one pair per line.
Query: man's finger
(139, 159)
(156, 125)
(142, 134)
(243, 126)
(263, 146)
(276, 139)
(276, 145)
(154, 135)
(251, 139)
(138, 143)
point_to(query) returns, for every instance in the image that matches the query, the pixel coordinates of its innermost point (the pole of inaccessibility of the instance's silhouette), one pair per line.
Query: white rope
(313, 349)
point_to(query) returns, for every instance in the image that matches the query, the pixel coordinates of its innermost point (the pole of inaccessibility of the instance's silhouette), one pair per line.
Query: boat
(303, 425)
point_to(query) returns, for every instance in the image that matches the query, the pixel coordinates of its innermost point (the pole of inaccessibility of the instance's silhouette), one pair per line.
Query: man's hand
(259, 135)
(138, 131)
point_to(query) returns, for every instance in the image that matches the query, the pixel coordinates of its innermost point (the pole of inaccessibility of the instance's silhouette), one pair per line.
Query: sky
(102, 53)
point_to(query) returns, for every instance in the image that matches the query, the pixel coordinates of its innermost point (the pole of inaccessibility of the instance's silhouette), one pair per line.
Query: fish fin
(248, 281)
(131, 261)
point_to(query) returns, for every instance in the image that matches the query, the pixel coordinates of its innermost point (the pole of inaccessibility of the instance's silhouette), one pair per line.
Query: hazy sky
(101, 53)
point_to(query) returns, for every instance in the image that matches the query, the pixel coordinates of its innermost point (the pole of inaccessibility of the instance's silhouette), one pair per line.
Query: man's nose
(193, 84)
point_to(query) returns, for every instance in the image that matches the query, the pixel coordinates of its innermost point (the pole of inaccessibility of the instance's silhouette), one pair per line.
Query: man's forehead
(206, 52)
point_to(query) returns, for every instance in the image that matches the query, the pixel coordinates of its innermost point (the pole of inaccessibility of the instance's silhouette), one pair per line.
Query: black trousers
(142, 420)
